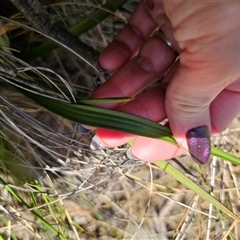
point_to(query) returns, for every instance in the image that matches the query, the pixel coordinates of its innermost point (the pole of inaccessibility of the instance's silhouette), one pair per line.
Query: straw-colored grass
(53, 186)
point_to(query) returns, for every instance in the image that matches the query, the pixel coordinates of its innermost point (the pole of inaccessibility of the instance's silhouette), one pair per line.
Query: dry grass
(87, 194)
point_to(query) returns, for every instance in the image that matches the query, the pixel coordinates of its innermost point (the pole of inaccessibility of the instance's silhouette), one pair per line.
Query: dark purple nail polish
(199, 144)
(100, 69)
(82, 129)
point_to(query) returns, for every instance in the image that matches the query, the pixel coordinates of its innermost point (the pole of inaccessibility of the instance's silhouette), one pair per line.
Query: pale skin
(202, 88)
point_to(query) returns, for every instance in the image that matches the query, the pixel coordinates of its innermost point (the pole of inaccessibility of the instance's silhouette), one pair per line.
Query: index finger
(126, 44)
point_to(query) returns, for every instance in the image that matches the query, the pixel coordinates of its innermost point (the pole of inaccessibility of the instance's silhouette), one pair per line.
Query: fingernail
(82, 129)
(149, 4)
(95, 144)
(130, 154)
(199, 144)
(100, 69)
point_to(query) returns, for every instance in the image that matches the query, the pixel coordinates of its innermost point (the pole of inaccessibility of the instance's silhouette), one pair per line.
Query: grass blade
(103, 100)
(20, 200)
(225, 155)
(165, 166)
(114, 120)
(104, 118)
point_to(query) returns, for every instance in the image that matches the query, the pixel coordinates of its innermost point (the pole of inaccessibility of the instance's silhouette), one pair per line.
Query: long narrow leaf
(104, 118)
(40, 218)
(191, 185)
(114, 120)
(225, 155)
(103, 100)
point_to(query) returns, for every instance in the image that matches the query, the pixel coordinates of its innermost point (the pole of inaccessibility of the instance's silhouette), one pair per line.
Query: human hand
(200, 93)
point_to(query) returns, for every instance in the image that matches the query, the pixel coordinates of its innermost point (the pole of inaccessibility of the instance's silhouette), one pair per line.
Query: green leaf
(39, 217)
(114, 120)
(104, 118)
(132, 124)
(225, 155)
(103, 100)
(165, 166)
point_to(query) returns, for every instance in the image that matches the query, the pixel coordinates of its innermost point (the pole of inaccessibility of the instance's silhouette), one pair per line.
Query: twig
(43, 22)
(9, 74)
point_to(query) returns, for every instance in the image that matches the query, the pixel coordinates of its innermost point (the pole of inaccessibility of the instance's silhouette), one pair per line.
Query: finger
(144, 148)
(225, 107)
(152, 150)
(126, 44)
(153, 60)
(147, 149)
(168, 32)
(188, 98)
(157, 12)
(141, 106)
(149, 105)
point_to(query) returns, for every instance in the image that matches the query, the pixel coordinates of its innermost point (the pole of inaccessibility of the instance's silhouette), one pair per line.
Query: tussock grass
(53, 186)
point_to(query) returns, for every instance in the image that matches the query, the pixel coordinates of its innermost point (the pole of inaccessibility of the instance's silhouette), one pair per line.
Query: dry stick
(9, 74)
(43, 22)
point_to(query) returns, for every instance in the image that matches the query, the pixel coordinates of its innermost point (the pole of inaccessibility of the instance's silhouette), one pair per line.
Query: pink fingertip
(112, 138)
(113, 57)
(152, 150)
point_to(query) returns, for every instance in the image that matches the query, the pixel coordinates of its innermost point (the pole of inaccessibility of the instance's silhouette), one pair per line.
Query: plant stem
(43, 22)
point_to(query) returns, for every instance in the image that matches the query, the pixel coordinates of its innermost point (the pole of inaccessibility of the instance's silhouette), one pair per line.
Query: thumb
(187, 104)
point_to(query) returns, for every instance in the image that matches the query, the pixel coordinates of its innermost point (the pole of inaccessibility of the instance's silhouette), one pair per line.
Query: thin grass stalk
(24, 203)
